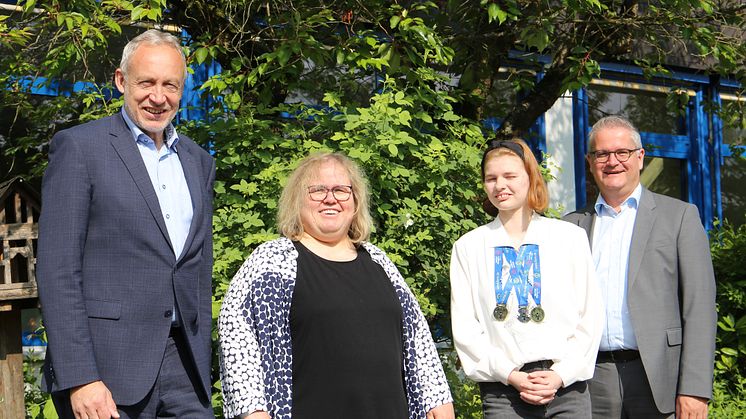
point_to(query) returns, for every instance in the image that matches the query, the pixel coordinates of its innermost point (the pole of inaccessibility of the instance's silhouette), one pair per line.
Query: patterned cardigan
(255, 345)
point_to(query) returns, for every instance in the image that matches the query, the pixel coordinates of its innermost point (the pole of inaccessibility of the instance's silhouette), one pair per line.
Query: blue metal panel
(666, 145)
(724, 82)
(717, 148)
(698, 167)
(193, 105)
(539, 131)
(44, 87)
(675, 75)
(580, 130)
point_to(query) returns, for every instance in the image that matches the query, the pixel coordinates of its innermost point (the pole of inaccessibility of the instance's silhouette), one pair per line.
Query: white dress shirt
(612, 237)
(569, 334)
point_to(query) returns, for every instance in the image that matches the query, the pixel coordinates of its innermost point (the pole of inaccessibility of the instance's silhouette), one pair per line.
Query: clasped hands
(538, 387)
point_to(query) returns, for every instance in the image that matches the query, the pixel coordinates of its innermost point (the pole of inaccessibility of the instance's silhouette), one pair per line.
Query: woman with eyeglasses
(525, 308)
(320, 323)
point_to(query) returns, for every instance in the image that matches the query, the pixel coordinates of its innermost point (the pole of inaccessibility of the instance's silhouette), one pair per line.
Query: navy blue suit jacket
(106, 270)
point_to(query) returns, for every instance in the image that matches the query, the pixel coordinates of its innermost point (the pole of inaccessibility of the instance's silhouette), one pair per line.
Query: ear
(119, 80)
(642, 157)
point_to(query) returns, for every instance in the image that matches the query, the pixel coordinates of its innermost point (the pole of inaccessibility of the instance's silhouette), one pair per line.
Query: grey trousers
(620, 390)
(500, 401)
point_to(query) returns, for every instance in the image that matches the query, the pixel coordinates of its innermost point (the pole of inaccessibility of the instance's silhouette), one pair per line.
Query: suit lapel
(192, 174)
(126, 147)
(587, 223)
(644, 222)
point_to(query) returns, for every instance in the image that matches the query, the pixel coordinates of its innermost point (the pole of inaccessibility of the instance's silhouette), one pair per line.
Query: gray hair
(149, 37)
(614, 121)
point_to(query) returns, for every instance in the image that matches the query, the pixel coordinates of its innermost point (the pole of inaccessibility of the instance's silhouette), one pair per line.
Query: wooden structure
(20, 206)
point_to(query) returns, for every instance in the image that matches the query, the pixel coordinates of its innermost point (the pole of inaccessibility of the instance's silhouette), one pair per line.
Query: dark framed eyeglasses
(319, 193)
(622, 155)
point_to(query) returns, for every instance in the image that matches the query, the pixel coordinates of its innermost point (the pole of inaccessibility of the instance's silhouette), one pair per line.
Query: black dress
(346, 332)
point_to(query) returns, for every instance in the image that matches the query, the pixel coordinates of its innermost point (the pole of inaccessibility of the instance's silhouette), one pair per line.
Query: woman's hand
(537, 388)
(444, 411)
(259, 414)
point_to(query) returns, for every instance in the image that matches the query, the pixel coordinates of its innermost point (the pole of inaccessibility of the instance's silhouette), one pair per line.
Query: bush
(728, 247)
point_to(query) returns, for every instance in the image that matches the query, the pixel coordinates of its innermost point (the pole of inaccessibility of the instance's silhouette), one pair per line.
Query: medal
(501, 312)
(537, 314)
(523, 314)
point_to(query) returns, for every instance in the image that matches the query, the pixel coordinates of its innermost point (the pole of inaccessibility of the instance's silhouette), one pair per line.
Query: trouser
(620, 390)
(176, 392)
(500, 401)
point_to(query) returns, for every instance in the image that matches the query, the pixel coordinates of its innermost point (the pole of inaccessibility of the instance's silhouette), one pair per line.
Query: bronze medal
(500, 313)
(523, 314)
(537, 314)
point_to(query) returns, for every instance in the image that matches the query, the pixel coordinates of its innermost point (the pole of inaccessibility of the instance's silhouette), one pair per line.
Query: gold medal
(500, 313)
(537, 314)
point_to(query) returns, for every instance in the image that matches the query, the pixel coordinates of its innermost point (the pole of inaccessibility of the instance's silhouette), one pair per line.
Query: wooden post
(11, 363)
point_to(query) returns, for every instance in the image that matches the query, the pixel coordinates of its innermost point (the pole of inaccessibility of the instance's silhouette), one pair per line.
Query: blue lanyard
(520, 264)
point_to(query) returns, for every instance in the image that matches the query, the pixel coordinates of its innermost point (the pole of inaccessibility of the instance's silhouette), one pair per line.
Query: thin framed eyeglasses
(319, 193)
(622, 155)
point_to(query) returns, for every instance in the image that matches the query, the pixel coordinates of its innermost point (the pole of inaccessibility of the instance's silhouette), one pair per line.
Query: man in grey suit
(653, 264)
(125, 252)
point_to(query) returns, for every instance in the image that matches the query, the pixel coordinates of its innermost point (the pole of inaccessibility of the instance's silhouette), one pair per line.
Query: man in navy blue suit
(125, 252)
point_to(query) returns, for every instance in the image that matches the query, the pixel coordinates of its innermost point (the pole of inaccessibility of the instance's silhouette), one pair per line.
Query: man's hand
(444, 411)
(691, 407)
(93, 401)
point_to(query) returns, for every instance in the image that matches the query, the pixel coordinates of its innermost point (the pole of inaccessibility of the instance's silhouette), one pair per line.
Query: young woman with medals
(526, 309)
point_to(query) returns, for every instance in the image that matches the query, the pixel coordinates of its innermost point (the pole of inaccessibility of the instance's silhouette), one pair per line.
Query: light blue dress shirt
(167, 176)
(612, 237)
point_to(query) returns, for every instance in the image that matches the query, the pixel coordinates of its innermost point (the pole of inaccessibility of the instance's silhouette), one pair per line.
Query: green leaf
(394, 21)
(30, 4)
(201, 54)
(49, 411)
(393, 150)
(495, 12)
(729, 351)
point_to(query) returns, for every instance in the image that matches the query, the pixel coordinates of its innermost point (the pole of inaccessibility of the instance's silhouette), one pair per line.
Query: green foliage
(467, 401)
(398, 86)
(729, 398)
(728, 247)
(38, 404)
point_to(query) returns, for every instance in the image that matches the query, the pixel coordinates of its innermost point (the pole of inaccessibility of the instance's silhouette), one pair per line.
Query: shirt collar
(632, 201)
(172, 138)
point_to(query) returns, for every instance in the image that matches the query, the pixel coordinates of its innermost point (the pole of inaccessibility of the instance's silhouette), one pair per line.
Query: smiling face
(328, 221)
(506, 183)
(616, 180)
(152, 87)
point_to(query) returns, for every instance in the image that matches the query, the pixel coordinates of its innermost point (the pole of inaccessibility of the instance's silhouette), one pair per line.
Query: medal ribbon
(529, 259)
(520, 265)
(503, 292)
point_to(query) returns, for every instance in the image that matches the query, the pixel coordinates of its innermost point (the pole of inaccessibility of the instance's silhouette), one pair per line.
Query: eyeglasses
(319, 193)
(622, 155)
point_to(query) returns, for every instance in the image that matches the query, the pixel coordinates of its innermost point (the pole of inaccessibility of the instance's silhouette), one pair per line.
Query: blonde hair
(538, 195)
(294, 195)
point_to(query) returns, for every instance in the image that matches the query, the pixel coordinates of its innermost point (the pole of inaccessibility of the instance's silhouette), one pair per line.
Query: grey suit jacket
(106, 269)
(671, 296)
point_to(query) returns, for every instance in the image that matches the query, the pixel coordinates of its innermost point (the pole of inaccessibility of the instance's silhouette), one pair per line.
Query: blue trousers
(175, 393)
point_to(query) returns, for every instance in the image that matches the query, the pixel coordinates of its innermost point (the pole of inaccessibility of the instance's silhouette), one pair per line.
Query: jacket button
(168, 313)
